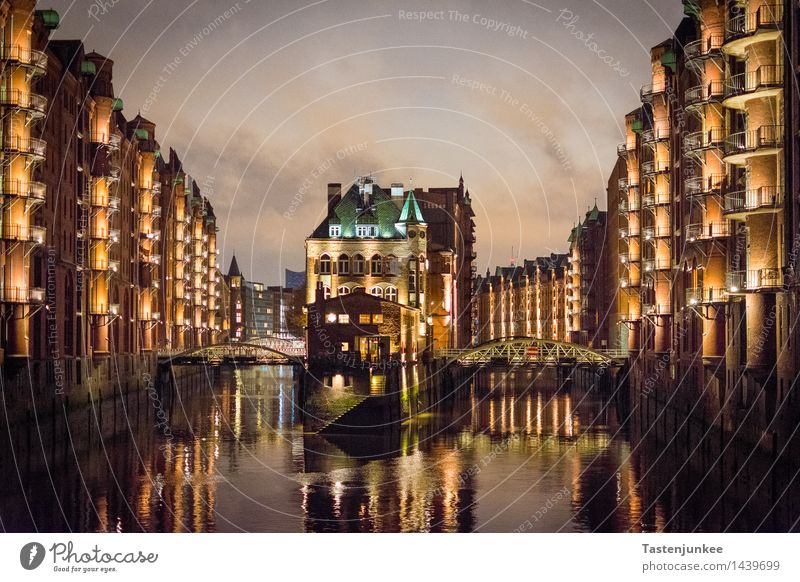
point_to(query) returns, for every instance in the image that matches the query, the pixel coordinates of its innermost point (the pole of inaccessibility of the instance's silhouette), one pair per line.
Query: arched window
(376, 291)
(326, 292)
(344, 290)
(325, 265)
(344, 265)
(376, 265)
(390, 293)
(358, 265)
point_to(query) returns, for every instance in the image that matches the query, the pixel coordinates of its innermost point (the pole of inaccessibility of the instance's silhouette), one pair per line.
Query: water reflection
(509, 452)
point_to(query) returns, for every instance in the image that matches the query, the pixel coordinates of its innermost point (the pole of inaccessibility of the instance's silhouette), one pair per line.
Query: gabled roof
(233, 270)
(411, 213)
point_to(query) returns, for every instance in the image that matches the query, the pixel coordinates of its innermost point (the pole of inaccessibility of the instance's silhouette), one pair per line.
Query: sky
(266, 101)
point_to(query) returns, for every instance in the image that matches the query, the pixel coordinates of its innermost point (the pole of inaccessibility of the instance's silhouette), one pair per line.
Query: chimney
(334, 195)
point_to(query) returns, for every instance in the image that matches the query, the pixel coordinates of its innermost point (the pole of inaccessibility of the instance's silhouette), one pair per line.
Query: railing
(32, 58)
(764, 279)
(628, 282)
(648, 91)
(22, 295)
(701, 140)
(766, 136)
(706, 231)
(655, 167)
(656, 309)
(703, 295)
(704, 47)
(764, 77)
(156, 211)
(704, 186)
(24, 233)
(766, 17)
(754, 199)
(711, 91)
(628, 232)
(622, 184)
(34, 190)
(651, 265)
(113, 234)
(652, 232)
(656, 134)
(653, 200)
(32, 102)
(622, 150)
(32, 146)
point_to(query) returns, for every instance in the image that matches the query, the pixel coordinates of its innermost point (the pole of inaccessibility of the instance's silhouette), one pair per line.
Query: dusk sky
(268, 101)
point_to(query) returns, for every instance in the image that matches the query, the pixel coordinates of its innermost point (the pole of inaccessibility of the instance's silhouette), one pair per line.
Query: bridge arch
(528, 350)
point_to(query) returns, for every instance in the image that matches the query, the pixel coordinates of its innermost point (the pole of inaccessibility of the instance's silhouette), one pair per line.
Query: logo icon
(31, 555)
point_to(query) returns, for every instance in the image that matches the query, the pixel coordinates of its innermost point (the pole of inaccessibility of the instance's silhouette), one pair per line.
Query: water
(510, 453)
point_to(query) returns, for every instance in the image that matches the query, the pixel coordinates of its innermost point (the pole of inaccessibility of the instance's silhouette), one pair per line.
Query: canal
(508, 451)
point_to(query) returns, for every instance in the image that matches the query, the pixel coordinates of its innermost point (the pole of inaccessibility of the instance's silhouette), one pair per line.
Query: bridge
(268, 350)
(518, 351)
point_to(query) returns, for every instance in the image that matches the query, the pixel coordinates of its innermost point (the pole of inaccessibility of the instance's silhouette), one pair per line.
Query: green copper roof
(594, 213)
(88, 68)
(142, 134)
(50, 18)
(411, 213)
(669, 60)
(117, 105)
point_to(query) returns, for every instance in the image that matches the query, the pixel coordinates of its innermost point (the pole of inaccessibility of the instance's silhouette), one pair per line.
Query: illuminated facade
(95, 283)
(531, 300)
(705, 243)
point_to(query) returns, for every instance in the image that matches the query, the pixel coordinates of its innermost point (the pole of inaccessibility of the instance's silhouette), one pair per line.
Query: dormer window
(335, 230)
(366, 231)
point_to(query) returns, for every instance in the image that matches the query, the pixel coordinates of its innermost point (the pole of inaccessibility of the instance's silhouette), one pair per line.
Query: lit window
(358, 265)
(335, 230)
(376, 265)
(363, 318)
(377, 318)
(326, 292)
(343, 290)
(391, 293)
(325, 265)
(345, 346)
(376, 291)
(344, 264)
(344, 318)
(362, 231)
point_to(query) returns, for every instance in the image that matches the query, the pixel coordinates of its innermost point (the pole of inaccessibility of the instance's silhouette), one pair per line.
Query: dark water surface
(509, 453)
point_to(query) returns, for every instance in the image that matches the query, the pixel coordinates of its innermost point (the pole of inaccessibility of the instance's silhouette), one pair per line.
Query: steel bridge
(518, 351)
(269, 350)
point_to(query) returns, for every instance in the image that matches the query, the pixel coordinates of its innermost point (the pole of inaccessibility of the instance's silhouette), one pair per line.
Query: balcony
(156, 187)
(655, 232)
(701, 186)
(650, 201)
(653, 265)
(699, 95)
(706, 296)
(156, 212)
(754, 280)
(628, 282)
(655, 167)
(622, 150)
(24, 233)
(113, 235)
(15, 55)
(35, 192)
(704, 48)
(110, 141)
(656, 309)
(622, 184)
(22, 295)
(763, 24)
(765, 81)
(628, 258)
(33, 104)
(766, 140)
(648, 92)
(628, 232)
(754, 201)
(34, 148)
(707, 231)
(113, 266)
(656, 134)
(697, 142)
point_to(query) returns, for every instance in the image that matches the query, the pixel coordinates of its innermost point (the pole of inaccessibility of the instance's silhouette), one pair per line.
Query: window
(363, 318)
(325, 265)
(343, 290)
(377, 318)
(361, 231)
(392, 266)
(344, 264)
(345, 346)
(335, 230)
(376, 265)
(376, 291)
(391, 293)
(326, 292)
(358, 265)
(344, 318)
